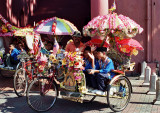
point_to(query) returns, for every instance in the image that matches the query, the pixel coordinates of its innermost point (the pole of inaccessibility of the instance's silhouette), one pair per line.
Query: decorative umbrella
(130, 42)
(97, 42)
(118, 25)
(55, 26)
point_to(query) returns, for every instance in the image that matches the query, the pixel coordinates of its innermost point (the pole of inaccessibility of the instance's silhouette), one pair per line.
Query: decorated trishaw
(63, 75)
(8, 34)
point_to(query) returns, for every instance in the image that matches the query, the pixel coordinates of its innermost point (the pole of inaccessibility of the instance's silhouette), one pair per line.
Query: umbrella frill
(119, 25)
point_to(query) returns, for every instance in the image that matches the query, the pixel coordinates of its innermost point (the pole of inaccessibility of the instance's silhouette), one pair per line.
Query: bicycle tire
(119, 88)
(20, 80)
(47, 98)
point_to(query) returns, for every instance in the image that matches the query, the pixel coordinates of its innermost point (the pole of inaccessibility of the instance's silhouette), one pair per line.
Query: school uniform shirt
(105, 67)
(88, 65)
(14, 53)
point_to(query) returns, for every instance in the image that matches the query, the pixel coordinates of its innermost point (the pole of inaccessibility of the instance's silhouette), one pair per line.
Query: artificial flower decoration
(53, 58)
(4, 29)
(125, 49)
(71, 63)
(135, 52)
(64, 62)
(72, 59)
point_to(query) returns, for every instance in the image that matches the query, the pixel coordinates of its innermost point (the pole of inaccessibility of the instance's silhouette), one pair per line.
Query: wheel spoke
(44, 100)
(20, 84)
(119, 94)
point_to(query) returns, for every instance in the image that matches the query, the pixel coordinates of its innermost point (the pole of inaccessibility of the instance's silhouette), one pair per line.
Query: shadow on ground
(19, 105)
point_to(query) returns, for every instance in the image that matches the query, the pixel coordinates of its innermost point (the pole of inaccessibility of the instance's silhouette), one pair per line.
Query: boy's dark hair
(12, 45)
(101, 49)
(88, 48)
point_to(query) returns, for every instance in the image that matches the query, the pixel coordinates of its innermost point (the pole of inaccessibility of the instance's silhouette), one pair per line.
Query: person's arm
(12, 53)
(108, 68)
(92, 58)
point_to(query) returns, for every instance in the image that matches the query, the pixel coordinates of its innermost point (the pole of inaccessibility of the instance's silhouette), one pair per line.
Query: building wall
(137, 10)
(23, 12)
(26, 12)
(17, 12)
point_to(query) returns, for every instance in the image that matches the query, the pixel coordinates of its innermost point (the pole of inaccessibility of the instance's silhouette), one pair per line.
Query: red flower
(77, 63)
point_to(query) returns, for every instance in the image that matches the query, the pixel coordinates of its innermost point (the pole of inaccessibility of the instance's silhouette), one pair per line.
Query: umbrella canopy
(97, 42)
(131, 42)
(119, 25)
(55, 26)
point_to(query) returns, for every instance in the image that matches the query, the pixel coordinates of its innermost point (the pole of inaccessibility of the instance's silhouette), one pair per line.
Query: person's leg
(101, 78)
(8, 60)
(88, 79)
(93, 81)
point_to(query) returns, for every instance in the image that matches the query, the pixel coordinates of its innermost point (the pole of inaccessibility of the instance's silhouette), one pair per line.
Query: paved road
(140, 102)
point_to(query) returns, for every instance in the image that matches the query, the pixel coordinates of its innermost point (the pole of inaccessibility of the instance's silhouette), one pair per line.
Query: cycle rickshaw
(70, 83)
(20, 35)
(64, 76)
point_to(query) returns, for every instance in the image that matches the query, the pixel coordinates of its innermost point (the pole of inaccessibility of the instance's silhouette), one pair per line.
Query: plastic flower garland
(4, 29)
(72, 59)
(74, 62)
(41, 62)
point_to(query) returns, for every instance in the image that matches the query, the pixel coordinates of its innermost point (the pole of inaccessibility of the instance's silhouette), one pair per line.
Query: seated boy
(11, 58)
(103, 70)
(89, 64)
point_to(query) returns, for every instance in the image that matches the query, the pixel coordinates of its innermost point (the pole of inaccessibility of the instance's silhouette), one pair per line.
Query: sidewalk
(140, 102)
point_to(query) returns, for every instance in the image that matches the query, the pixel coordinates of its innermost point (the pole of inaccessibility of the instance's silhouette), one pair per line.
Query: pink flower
(77, 77)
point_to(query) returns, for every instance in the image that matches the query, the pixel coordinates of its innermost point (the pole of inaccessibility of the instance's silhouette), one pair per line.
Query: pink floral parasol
(119, 25)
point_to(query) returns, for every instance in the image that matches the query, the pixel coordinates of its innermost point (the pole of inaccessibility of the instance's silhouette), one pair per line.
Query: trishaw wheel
(88, 98)
(119, 93)
(20, 83)
(41, 94)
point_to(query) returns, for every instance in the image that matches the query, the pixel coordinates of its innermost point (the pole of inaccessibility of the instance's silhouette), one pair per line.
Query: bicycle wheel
(20, 83)
(41, 94)
(119, 93)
